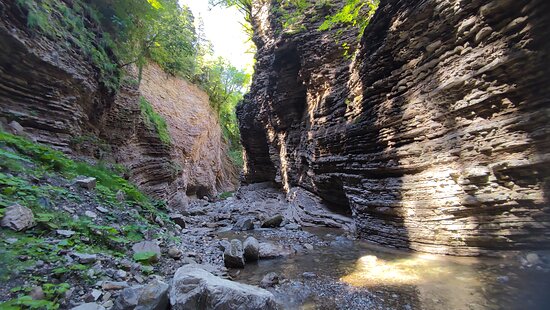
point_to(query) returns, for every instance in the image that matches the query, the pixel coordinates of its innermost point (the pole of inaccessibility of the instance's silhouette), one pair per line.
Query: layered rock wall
(435, 137)
(55, 93)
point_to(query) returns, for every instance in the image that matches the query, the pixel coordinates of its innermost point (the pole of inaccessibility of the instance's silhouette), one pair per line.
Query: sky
(222, 27)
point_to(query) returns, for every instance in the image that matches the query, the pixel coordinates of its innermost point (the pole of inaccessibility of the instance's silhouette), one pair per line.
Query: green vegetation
(154, 120)
(74, 26)
(40, 178)
(52, 292)
(145, 257)
(356, 13)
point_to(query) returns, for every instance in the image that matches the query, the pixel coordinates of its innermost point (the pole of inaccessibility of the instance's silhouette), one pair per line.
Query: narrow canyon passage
(368, 154)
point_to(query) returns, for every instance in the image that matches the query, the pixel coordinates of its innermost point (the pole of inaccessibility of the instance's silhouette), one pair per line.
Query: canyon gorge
(399, 161)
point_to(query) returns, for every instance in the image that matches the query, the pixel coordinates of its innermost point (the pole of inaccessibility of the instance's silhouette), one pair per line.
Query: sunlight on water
(372, 271)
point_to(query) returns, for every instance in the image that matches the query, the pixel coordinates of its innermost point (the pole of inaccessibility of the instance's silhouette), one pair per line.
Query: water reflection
(352, 270)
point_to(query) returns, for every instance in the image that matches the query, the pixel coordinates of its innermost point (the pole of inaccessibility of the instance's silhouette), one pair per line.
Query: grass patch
(154, 120)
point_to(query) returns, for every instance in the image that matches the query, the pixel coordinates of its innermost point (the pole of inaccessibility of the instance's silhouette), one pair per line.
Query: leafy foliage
(356, 13)
(144, 257)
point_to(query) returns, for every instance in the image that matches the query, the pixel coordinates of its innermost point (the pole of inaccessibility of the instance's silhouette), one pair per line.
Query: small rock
(101, 209)
(292, 226)
(269, 280)
(147, 246)
(85, 258)
(244, 223)
(233, 256)
(89, 306)
(175, 253)
(16, 128)
(139, 279)
(96, 294)
(251, 249)
(178, 219)
(308, 246)
(120, 196)
(273, 222)
(503, 279)
(18, 218)
(90, 214)
(111, 285)
(11, 240)
(309, 275)
(88, 183)
(65, 233)
(37, 293)
(121, 274)
(533, 259)
(108, 304)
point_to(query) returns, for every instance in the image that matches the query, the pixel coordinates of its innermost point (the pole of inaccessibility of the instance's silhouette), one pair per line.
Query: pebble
(102, 210)
(111, 285)
(96, 294)
(309, 275)
(308, 246)
(11, 240)
(121, 274)
(65, 233)
(90, 214)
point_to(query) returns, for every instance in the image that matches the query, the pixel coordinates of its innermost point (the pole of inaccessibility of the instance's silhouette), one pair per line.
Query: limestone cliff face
(55, 94)
(435, 137)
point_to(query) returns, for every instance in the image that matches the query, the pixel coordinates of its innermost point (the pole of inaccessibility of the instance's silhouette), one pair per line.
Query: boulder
(244, 223)
(147, 246)
(273, 222)
(269, 280)
(88, 183)
(251, 249)
(178, 219)
(128, 298)
(195, 288)
(18, 218)
(154, 296)
(233, 256)
(269, 250)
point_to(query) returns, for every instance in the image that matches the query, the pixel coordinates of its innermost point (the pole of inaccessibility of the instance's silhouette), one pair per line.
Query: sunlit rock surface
(435, 136)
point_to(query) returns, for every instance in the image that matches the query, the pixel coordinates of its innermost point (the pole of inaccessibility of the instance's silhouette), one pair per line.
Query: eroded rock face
(435, 137)
(54, 93)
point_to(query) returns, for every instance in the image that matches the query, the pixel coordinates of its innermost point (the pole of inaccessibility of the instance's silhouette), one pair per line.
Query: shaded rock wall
(55, 94)
(435, 137)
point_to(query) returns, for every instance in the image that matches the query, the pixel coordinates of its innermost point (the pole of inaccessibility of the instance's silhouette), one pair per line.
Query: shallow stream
(349, 274)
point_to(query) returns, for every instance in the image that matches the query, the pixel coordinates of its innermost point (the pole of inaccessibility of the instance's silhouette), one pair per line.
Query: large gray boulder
(233, 256)
(18, 218)
(251, 249)
(195, 288)
(153, 296)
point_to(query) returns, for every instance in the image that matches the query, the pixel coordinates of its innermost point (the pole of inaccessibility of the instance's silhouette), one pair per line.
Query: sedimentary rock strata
(54, 92)
(434, 137)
